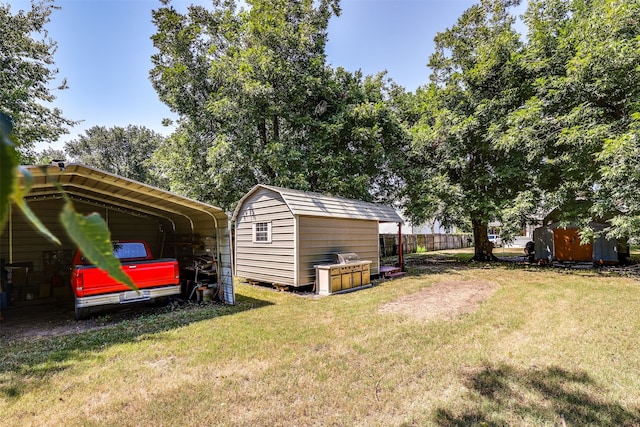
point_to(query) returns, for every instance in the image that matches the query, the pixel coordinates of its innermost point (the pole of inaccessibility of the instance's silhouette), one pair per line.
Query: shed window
(262, 232)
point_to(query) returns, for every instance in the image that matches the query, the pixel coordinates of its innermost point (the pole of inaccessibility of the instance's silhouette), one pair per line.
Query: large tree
(458, 171)
(258, 104)
(581, 121)
(27, 73)
(123, 151)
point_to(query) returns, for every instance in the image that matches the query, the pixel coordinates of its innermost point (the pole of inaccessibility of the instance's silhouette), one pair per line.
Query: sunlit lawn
(549, 347)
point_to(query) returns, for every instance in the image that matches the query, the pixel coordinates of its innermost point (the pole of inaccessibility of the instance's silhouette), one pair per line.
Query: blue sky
(104, 51)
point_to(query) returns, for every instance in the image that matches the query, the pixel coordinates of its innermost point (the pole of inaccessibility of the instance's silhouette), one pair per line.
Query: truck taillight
(79, 281)
(176, 271)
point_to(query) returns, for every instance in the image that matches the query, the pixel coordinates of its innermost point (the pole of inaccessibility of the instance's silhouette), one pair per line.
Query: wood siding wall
(319, 238)
(272, 262)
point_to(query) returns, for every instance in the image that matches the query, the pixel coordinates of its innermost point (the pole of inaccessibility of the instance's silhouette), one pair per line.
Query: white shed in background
(281, 234)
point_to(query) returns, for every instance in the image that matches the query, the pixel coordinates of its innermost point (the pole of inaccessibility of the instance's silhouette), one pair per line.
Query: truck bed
(144, 273)
(155, 279)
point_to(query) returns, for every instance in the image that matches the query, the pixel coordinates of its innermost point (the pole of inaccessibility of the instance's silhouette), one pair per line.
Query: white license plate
(129, 295)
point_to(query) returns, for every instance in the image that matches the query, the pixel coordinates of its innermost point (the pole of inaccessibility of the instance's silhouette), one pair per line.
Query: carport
(174, 226)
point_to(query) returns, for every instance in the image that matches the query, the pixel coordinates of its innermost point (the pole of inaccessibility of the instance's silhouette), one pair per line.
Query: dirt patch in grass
(443, 300)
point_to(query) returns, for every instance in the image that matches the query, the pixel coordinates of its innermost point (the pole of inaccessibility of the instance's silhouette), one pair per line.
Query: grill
(347, 258)
(346, 273)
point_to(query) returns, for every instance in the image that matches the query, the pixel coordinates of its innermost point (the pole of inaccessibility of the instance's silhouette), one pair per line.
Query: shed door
(543, 239)
(567, 246)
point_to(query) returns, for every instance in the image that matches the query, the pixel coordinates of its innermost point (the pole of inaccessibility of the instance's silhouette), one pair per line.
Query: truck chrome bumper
(127, 296)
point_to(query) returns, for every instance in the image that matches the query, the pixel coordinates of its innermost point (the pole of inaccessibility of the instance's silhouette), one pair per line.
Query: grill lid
(347, 257)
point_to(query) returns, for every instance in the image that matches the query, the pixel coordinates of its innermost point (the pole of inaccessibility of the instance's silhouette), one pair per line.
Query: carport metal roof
(105, 189)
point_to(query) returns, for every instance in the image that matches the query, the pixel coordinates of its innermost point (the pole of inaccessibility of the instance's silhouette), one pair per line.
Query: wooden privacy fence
(413, 243)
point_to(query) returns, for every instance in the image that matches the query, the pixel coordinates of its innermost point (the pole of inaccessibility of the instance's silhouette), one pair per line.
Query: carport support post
(10, 234)
(400, 261)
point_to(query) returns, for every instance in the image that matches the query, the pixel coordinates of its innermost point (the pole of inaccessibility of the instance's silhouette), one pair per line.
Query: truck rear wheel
(81, 312)
(161, 301)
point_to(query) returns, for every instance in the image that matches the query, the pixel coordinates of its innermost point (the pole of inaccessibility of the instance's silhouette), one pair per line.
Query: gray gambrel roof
(316, 204)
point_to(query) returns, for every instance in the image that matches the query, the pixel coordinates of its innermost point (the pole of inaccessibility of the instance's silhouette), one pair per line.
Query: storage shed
(563, 243)
(173, 225)
(281, 234)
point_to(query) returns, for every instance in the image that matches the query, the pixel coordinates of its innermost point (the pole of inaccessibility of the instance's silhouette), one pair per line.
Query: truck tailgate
(145, 274)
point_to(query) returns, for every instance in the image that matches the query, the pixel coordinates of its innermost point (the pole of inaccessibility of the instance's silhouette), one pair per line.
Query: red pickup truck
(156, 279)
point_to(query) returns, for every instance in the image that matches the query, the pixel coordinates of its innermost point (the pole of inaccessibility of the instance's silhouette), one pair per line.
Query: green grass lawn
(548, 347)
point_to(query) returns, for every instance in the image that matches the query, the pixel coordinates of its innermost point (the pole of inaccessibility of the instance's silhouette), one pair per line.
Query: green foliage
(621, 180)
(458, 171)
(91, 234)
(258, 104)
(123, 151)
(610, 64)
(10, 190)
(26, 73)
(8, 168)
(507, 130)
(47, 155)
(582, 59)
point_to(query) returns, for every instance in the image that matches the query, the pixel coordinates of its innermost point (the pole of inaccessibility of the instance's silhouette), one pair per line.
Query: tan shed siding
(320, 237)
(266, 262)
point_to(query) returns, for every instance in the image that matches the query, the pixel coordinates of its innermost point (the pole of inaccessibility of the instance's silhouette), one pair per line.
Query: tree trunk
(276, 127)
(483, 247)
(262, 130)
